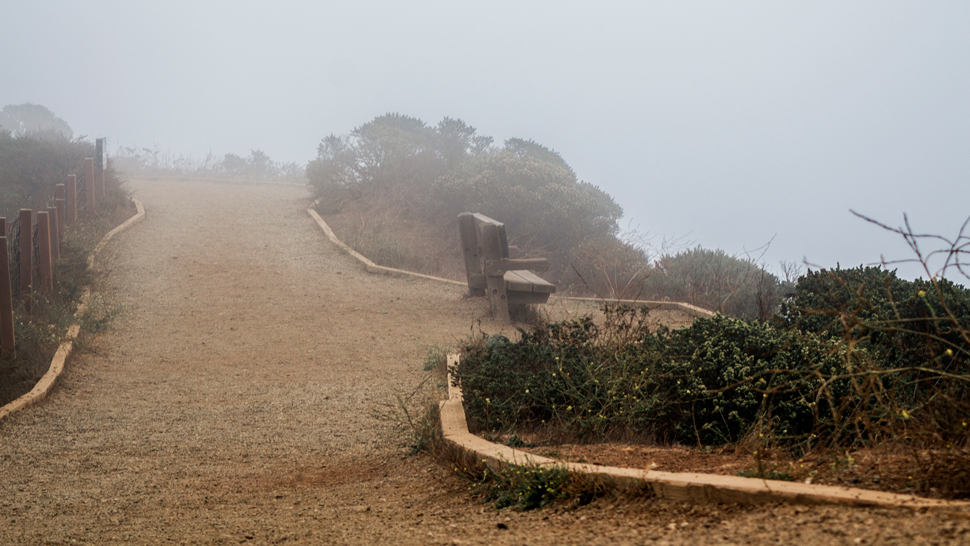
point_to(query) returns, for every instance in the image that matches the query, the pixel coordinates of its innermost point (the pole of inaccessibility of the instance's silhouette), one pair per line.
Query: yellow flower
(949, 352)
(905, 414)
(921, 293)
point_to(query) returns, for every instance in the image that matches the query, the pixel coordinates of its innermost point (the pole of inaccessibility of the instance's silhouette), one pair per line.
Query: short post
(44, 260)
(7, 339)
(55, 233)
(71, 199)
(60, 203)
(89, 183)
(99, 167)
(26, 257)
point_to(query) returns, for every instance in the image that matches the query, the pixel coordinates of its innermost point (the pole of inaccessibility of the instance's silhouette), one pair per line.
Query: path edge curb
(370, 266)
(676, 486)
(47, 381)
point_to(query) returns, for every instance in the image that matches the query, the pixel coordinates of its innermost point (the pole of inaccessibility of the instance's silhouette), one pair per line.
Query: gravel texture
(243, 397)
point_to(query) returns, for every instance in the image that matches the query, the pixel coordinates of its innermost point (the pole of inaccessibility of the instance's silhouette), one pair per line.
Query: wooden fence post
(60, 203)
(89, 183)
(99, 167)
(26, 257)
(55, 233)
(7, 339)
(44, 247)
(71, 199)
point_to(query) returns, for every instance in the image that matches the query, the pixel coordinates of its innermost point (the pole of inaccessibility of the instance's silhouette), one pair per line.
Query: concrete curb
(677, 486)
(46, 383)
(370, 266)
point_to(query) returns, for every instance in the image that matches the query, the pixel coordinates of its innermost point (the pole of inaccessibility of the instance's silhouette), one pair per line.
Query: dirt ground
(245, 396)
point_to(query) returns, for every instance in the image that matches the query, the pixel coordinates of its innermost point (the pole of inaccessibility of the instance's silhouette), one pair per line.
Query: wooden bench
(506, 281)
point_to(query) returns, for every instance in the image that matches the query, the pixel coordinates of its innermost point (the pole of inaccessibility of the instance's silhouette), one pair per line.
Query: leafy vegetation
(708, 384)
(395, 182)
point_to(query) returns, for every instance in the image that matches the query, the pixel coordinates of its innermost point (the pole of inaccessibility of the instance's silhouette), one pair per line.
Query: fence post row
(26, 257)
(51, 224)
(6, 295)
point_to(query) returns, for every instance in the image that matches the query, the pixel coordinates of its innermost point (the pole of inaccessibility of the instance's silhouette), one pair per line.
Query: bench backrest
(481, 238)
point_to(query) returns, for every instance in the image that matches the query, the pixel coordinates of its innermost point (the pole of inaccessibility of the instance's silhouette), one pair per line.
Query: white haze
(727, 124)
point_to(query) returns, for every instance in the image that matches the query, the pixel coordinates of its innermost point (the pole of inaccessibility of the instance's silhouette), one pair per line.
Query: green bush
(706, 384)
(904, 323)
(722, 376)
(914, 335)
(855, 357)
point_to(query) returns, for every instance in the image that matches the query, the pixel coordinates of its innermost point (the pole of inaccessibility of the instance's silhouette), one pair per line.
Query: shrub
(913, 338)
(713, 279)
(710, 383)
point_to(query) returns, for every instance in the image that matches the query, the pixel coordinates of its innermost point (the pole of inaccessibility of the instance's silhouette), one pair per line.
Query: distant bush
(713, 279)
(31, 166)
(33, 120)
(256, 166)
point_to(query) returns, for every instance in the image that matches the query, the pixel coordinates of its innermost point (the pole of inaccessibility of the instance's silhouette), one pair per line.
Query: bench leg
(499, 299)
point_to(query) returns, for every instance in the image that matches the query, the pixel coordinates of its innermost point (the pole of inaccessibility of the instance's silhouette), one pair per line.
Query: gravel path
(243, 395)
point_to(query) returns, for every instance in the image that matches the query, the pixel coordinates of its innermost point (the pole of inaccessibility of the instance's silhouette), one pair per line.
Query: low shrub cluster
(858, 357)
(706, 384)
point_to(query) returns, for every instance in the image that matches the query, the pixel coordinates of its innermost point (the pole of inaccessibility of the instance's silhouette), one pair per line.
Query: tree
(34, 120)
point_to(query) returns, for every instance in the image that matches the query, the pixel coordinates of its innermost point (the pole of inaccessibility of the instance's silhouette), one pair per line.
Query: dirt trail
(239, 399)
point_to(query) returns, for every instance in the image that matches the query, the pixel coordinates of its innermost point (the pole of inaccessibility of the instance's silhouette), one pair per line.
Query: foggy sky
(721, 124)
